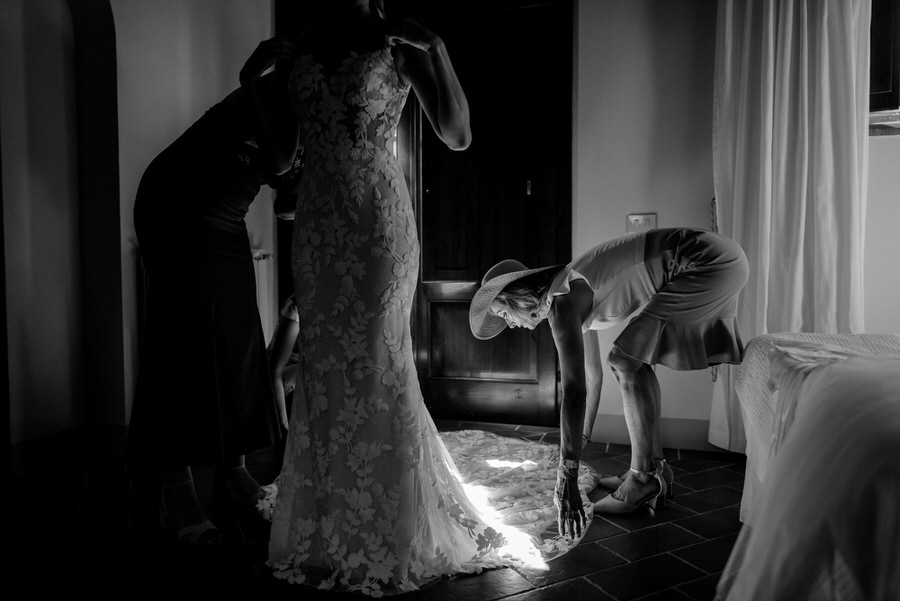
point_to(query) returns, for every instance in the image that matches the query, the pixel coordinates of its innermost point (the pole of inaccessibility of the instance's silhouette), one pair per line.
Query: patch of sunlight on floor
(520, 545)
(527, 465)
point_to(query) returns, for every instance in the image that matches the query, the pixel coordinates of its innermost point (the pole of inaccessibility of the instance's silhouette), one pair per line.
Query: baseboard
(101, 447)
(677, 433)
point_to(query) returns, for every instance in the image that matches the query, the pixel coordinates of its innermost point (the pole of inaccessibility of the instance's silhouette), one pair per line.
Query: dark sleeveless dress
(203, 390)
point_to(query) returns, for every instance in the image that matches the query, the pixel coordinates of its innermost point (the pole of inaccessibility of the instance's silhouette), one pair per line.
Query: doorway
(507, 196)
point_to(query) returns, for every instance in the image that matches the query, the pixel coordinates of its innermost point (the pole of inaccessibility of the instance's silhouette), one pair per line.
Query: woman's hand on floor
(567, 498)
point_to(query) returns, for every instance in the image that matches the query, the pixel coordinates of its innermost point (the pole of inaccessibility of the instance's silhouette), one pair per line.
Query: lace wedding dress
(369, 498)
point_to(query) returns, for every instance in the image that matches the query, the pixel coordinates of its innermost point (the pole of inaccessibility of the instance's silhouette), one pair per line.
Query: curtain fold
(790, 162)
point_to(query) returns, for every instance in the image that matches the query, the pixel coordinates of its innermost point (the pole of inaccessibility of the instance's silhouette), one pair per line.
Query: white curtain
(790, 160)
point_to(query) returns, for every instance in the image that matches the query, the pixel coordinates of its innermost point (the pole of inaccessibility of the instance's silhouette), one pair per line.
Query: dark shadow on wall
(97, 136)
(5, 420)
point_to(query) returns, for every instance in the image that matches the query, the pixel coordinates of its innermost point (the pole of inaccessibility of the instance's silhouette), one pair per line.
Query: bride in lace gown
(369, 498)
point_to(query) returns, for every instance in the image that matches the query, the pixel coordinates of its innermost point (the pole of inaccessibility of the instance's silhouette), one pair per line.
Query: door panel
(507, 196)
(510, 378)
(451, 357)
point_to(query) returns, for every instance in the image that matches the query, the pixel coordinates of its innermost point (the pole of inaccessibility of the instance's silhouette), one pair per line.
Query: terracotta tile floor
(92, 534)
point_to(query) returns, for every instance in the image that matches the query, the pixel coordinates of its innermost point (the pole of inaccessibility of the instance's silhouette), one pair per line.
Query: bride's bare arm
(425, 63)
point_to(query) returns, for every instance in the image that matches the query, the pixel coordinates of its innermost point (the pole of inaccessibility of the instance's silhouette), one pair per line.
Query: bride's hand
(411, 33)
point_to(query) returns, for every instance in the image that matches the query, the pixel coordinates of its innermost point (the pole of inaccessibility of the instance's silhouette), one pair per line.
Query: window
(884, 68)
(884, 74)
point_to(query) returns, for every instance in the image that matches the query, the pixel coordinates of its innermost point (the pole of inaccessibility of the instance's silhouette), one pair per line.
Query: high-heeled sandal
(656, 500)
(203, 533)
(614, 482)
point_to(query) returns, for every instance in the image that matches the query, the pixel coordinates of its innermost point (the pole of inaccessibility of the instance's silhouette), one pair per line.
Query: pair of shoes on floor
(199, 534)
(620, 502)
(614, 482)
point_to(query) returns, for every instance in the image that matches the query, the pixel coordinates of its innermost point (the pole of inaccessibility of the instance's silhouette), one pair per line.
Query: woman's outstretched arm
(565, 319)
(593, 370)
(566, 316)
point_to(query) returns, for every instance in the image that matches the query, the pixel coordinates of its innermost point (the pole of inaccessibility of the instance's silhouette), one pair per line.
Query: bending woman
(679, 288)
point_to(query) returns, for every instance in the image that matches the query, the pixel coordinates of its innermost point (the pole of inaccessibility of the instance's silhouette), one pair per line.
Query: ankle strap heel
(659, 500)
(668, 475)
(613, 482)
(619, 501)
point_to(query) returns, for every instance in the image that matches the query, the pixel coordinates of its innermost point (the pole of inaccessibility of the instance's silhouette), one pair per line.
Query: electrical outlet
(639, 222)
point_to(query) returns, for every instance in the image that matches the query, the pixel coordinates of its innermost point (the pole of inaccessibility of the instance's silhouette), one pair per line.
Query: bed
(821, 503)
(765, 416)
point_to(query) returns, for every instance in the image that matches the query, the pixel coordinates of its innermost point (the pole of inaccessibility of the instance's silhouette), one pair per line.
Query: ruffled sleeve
(562, 283)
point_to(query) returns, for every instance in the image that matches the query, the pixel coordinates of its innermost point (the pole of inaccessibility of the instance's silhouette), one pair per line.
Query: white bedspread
(760, 400)
(826, 525)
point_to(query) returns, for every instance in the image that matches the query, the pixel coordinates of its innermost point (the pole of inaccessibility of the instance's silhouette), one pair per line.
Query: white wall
(176, 59)
(643, 135)
(882, 275)
(643, 144)
(40, 218)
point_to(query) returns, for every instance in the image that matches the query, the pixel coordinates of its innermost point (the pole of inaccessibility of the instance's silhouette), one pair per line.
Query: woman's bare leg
(641, 403)
(640, 400)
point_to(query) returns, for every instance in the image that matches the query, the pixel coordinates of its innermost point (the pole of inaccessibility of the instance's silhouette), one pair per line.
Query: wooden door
(507, 196)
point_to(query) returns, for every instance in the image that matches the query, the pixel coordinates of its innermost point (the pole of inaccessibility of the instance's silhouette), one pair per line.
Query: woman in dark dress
(204, 394)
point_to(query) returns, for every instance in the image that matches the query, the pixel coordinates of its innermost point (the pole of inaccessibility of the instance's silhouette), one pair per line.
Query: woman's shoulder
(573, 302)
(229, 115)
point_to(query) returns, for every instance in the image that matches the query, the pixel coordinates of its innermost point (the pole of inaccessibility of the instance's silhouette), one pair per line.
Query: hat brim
(484, 324)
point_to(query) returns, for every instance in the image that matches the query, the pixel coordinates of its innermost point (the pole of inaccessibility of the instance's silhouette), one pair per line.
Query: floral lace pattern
(511, 481)
(369, 499)
(517, 477)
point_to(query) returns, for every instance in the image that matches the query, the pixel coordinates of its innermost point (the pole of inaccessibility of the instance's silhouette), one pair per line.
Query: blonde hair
(528, 293)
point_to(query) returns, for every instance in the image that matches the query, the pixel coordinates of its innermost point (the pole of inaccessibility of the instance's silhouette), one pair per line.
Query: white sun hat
(484, 324)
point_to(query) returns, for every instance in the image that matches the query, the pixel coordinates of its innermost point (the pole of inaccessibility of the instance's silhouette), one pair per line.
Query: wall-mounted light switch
(638, 222)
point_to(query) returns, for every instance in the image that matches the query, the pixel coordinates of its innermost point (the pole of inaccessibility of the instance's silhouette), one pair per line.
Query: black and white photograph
(493, 300)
